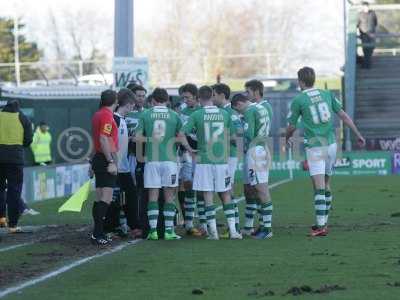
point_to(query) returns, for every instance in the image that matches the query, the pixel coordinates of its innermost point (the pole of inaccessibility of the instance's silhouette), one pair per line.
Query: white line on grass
(4, 249)
(280, 183)
(12, 247)
(87, 259)
(274, 185)
(64, 269)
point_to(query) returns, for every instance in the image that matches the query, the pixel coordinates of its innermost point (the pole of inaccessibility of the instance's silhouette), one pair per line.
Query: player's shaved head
(306, 75)
(205, 93)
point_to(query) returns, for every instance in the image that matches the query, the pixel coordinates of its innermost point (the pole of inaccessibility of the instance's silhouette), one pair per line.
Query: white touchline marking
(87, 259)
(4, 249)
(64, 269)
(280, 182)
(271, 187)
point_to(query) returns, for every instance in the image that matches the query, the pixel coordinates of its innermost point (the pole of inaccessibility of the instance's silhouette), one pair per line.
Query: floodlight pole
(16, 51)
(123, 28)
(347, 136)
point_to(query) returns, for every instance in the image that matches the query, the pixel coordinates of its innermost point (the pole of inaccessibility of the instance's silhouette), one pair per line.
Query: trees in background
(76, 35)
(197, 40)
(28, 51)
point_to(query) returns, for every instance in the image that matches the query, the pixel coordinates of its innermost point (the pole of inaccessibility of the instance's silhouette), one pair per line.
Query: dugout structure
(61, 108)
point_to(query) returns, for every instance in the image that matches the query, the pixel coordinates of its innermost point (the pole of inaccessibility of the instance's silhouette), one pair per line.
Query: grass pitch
(360, 259)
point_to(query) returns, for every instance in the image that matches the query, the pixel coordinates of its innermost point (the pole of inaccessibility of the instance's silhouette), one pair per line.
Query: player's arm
(139, 136)
(290, 129)
(107, 146)
(236, 129)
(249, 128)
(349, 122)
(186, 129)
(293, 117)
(181, 138)
(106, 141)
(249, 125)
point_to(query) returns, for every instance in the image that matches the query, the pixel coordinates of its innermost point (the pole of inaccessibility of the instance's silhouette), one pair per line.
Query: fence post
(80, 67)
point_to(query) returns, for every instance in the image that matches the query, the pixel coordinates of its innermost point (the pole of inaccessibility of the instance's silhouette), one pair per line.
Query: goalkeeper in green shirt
(316, 108)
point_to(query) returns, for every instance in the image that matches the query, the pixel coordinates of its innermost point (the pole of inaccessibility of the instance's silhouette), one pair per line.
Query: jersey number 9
(159, 128)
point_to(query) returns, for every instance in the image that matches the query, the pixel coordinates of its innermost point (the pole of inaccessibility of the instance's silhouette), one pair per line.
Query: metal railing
(385, 43)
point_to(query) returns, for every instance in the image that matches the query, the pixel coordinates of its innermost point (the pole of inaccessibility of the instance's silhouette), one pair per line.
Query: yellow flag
(75, 202)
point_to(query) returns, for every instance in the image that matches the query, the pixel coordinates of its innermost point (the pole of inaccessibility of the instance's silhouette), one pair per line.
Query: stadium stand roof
(53, 92)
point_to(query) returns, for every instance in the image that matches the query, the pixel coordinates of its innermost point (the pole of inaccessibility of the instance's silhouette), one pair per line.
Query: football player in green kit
(257, 158)
(213, 129)
(316, 108)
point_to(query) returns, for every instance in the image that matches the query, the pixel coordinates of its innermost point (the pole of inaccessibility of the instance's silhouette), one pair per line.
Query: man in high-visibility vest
(15, 134)
(41, 145)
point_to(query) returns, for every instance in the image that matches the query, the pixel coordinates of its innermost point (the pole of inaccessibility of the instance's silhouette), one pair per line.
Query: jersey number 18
(320, 113)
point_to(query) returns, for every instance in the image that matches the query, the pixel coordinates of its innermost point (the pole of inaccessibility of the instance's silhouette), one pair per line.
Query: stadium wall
(41, 183)
(55, 181)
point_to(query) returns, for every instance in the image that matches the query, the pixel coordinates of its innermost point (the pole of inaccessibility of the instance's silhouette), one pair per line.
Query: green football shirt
(184, 115)
(268, 106)
(237, 127)
(256, 125)
(132, 122)
(186, 112)
(160, 125)
(213, 128)
(316, 108)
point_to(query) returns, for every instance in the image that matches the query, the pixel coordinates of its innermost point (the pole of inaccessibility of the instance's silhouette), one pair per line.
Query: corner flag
(75, 202)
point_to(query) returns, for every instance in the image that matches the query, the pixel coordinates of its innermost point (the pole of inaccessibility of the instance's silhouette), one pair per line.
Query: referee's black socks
(99, 212)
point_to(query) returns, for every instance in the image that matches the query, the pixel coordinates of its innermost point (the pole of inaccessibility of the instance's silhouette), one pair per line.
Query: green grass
(49, 213)
(333, 83)
(362, 253)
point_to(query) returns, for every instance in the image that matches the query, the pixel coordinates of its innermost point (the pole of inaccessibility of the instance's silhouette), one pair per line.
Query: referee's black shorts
(103, 178)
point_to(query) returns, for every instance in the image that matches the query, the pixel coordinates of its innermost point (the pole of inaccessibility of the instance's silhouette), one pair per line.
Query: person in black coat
(366, 24)
(15, 135)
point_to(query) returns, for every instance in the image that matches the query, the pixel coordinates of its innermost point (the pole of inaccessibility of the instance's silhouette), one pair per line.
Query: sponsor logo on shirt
(107, 128)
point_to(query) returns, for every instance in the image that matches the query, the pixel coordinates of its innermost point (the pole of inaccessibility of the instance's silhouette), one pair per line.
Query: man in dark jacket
(15, 135)
(367, 23)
